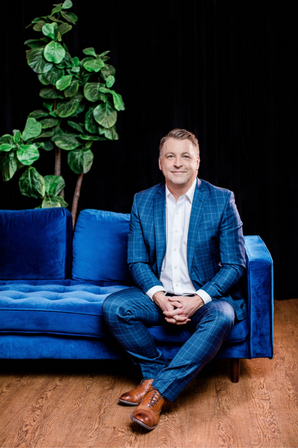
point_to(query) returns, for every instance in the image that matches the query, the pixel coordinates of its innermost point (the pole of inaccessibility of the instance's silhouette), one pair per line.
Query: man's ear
(198, 160)
(159, 163)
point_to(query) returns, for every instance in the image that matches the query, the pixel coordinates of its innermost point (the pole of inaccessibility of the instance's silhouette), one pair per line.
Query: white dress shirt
(174, 271)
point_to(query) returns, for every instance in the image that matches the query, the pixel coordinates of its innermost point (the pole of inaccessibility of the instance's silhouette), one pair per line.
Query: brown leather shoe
(148, 412)
(133, 397)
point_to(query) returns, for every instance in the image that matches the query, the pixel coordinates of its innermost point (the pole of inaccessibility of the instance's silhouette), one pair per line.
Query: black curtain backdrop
(225, 70)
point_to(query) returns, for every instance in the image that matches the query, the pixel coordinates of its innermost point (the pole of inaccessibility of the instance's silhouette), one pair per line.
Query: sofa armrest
(259, 276)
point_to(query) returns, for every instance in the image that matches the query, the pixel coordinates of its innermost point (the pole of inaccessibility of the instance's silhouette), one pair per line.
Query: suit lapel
(159, 219)
(198, 204)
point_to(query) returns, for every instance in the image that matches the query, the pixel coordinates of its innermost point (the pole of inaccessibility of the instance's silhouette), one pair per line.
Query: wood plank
(8, 383)
(37, 412)
(263, 428)
(283, 398)
(19, 400)
(88, 421)
(202, 421)
(116, 423)
(57, 426)
(231, 414)
(174, 415)
(286, 344)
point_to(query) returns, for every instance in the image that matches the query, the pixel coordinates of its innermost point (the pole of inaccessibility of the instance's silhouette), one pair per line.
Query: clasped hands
(178, 309)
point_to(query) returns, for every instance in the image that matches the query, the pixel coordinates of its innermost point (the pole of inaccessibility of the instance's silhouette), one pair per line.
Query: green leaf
(50, 30)
(49, 123)
(53, 202)
(68, 17)
(90, 137)
(32, 129)
(111, 133)
(110, 81)
(16, 135)
(48, 105)
(54, 19)
(66, 62)
(94, 66)
(53, 185)
(50, 94)
(6, 147)
(6, 138)
(36, 43)
(48, 145)
(54, 52)
(64, 28)
(32, 184)
(90, 51)
(75, 62)
(51, 77)
(73, 16)
(27, 154)
(107, 70)
(68, 108)
(90, 123)
(67, 4)
(80, 160)
(92, 93)
(104, 53)
(63, 203)
(8, 165)
(56, 9)
(76, 126)
(66, 141)
(38, 25)
(37, 62)
(105, 115)
(118, 101)
(80, 109)
(64, 82)
(38, 113)
(72, 89)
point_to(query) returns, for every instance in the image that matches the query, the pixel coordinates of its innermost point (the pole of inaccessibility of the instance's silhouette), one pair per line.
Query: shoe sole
(142, 424)
(129, 403)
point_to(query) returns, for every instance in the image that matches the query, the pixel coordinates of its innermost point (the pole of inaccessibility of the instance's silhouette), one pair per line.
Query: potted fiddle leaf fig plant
(79, 109)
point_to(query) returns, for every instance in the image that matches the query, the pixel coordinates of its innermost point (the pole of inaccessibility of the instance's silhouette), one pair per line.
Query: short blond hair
(180, 134)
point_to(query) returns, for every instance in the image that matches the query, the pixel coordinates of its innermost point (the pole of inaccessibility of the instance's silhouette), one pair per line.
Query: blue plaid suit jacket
(215, 250)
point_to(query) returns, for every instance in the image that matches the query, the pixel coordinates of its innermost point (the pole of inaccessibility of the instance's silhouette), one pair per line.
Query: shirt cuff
(204, 296)
(153, 290)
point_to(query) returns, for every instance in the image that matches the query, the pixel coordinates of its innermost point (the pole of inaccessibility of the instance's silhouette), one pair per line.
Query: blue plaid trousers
(129, 312)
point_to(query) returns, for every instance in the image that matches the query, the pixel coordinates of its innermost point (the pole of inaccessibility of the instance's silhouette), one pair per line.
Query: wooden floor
(55, 405)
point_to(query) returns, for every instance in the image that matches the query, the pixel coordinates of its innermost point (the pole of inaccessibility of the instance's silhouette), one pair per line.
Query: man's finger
(176, 303)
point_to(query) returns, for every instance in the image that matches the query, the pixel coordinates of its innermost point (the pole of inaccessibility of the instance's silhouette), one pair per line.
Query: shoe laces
(155, 398)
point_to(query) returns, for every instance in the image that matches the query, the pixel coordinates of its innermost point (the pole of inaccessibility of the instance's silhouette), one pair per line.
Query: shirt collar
(189, 194)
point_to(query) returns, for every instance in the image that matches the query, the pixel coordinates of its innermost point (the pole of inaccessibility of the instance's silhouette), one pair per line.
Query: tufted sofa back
(35, 244)
(100, 247)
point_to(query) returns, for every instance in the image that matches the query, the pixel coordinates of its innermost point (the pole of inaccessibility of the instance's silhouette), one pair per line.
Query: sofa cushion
(100, 247)
(73, 308)
(35, 244)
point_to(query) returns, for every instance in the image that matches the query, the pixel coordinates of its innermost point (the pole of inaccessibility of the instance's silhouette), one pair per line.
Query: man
(186, 256)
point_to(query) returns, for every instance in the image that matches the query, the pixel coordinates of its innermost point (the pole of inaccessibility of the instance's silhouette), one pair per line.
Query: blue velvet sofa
(53, 282)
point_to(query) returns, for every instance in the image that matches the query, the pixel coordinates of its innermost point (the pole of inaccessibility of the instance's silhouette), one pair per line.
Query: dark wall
(225, 70)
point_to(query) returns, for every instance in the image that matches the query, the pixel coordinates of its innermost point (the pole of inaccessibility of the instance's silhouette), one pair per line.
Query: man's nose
(178, 162)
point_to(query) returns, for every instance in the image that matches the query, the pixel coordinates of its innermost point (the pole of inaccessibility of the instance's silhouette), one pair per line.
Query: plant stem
(75, 200)
(57, 169)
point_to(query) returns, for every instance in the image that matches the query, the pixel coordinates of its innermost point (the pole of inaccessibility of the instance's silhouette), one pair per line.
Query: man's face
(179, 161)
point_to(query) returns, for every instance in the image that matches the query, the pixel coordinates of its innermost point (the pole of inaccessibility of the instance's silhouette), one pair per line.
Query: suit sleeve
(138, 257)
(232, 252)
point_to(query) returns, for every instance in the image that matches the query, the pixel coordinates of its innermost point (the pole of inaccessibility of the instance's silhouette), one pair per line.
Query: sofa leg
(235, 370)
